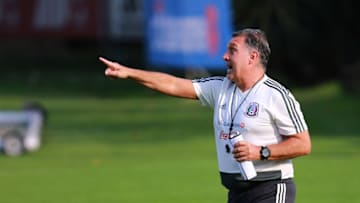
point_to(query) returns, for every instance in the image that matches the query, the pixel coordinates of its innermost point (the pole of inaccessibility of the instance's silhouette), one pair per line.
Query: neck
(249, 82)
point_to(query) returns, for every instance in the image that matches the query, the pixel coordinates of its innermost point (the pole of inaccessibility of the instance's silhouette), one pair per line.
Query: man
(245, 102)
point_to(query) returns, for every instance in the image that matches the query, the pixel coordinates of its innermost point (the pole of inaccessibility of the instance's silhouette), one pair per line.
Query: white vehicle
(20, 131)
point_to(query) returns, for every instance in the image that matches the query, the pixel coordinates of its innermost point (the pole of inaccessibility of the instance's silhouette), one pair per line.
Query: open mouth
(229, 68)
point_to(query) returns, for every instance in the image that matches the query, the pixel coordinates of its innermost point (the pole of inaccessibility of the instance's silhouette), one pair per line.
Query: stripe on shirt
(200, 80)
(281, 193)
(290, 104)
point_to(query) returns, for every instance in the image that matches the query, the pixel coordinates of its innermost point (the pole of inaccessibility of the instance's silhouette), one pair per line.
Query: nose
(226, 56)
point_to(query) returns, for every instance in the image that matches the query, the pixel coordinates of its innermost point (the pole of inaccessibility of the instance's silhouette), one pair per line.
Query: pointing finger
(106, 62)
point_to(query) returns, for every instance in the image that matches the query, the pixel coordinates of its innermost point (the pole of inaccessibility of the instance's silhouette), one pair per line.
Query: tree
(308, 38)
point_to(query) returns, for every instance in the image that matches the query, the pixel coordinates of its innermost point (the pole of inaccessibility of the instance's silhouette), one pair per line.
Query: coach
(245, 102)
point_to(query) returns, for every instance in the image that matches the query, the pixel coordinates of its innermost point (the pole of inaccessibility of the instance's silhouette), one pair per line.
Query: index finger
(105, 61)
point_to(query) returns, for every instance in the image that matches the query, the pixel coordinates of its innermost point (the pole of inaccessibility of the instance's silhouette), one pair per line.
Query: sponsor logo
(223, 135)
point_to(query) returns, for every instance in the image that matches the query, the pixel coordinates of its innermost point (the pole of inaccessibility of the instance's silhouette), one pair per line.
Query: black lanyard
(238, 107)
(241, 103)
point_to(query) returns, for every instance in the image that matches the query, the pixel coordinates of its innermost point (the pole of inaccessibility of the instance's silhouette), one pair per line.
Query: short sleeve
(287, 113)
(208, 89)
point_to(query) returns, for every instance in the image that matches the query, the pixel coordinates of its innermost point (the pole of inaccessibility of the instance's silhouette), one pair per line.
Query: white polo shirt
(262, 114)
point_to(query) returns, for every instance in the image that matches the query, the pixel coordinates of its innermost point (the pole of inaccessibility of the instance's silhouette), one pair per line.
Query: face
(236, 57)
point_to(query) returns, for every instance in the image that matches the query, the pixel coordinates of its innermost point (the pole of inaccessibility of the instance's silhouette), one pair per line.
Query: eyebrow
(232, 45)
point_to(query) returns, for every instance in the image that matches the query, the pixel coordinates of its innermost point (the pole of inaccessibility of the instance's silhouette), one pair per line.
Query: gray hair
(256, 38)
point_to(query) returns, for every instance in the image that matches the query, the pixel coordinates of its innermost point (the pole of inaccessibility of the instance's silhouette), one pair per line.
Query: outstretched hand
(113, 69)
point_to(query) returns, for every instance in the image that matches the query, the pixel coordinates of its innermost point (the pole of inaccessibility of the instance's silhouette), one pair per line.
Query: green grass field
(112, 145)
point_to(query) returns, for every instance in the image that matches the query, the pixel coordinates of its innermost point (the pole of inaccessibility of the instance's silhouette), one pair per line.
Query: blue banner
(187, 33)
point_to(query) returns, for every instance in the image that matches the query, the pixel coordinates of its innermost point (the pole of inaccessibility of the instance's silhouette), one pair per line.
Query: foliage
(312, 41)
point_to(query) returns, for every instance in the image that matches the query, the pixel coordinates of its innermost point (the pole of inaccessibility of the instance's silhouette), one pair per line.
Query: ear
(254, 55)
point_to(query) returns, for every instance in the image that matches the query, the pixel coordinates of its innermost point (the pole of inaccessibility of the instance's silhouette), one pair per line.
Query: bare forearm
(164, 83)
(291, 147)
(161, 82)
(151, 80)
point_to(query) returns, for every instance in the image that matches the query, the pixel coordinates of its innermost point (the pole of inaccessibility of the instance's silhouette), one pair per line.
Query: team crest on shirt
(252, 109)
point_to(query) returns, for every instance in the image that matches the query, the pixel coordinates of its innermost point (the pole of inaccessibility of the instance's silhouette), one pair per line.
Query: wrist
(265, 153)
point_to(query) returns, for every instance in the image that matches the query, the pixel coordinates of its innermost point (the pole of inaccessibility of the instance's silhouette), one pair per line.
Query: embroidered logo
(253, 109)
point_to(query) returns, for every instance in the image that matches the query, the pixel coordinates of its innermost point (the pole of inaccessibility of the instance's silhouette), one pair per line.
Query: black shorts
(272, 191)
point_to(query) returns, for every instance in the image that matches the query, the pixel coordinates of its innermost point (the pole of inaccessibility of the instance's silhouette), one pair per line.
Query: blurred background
(311, 41)
(105, 140)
